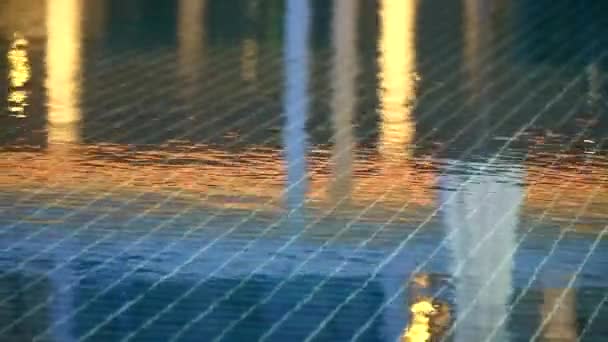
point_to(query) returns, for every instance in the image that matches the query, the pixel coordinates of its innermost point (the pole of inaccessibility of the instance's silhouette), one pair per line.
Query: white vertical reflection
(397, 60)
(344, 72)
(482, 220)
(63, 70)
(483, 217)
(295, 101)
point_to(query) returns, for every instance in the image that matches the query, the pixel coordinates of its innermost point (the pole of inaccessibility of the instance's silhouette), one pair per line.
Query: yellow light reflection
(398, 76)
(419, 329)
(63, 70)
(429, 318)
(19, 74)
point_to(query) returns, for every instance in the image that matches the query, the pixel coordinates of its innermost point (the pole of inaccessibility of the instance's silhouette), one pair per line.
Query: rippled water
(368, 170)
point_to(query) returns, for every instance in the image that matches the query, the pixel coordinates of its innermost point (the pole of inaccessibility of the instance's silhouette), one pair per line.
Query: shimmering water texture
(303, 170)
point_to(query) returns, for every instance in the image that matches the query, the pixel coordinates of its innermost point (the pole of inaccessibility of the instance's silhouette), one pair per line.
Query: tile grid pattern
(419, 268)
(423, 264)
(144, 213)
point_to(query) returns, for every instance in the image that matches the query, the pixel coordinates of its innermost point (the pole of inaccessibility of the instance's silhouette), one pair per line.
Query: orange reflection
(199, 170)
(19, 74)
(397, 60)
(569, 185)
(230, 179)
(63, 70)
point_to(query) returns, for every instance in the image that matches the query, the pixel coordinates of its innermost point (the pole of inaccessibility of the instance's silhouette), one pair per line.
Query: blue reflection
(295, 102)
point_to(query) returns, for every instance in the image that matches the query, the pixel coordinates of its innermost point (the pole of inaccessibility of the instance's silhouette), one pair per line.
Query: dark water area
(327, 170)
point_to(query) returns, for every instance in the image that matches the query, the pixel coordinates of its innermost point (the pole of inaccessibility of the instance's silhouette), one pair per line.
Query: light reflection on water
(208, 112)
(63, 71)
(397, 58)
(19, 75)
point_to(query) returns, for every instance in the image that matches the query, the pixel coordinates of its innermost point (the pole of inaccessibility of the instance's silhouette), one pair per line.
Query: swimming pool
(310, 170)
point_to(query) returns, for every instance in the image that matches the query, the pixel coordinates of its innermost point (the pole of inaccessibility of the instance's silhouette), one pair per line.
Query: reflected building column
(481, 221)
(482, 217)
(344, 72)
(295, 100)
(63, 62)
(397, 61)
(191, 40)
(562, 325)
(63, 303)
(475, 15)
(249, 50)
(397, 90)
(477, 33)
(295, 111)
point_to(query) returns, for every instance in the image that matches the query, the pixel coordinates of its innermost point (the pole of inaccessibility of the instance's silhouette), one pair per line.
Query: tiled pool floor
(373, 170)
